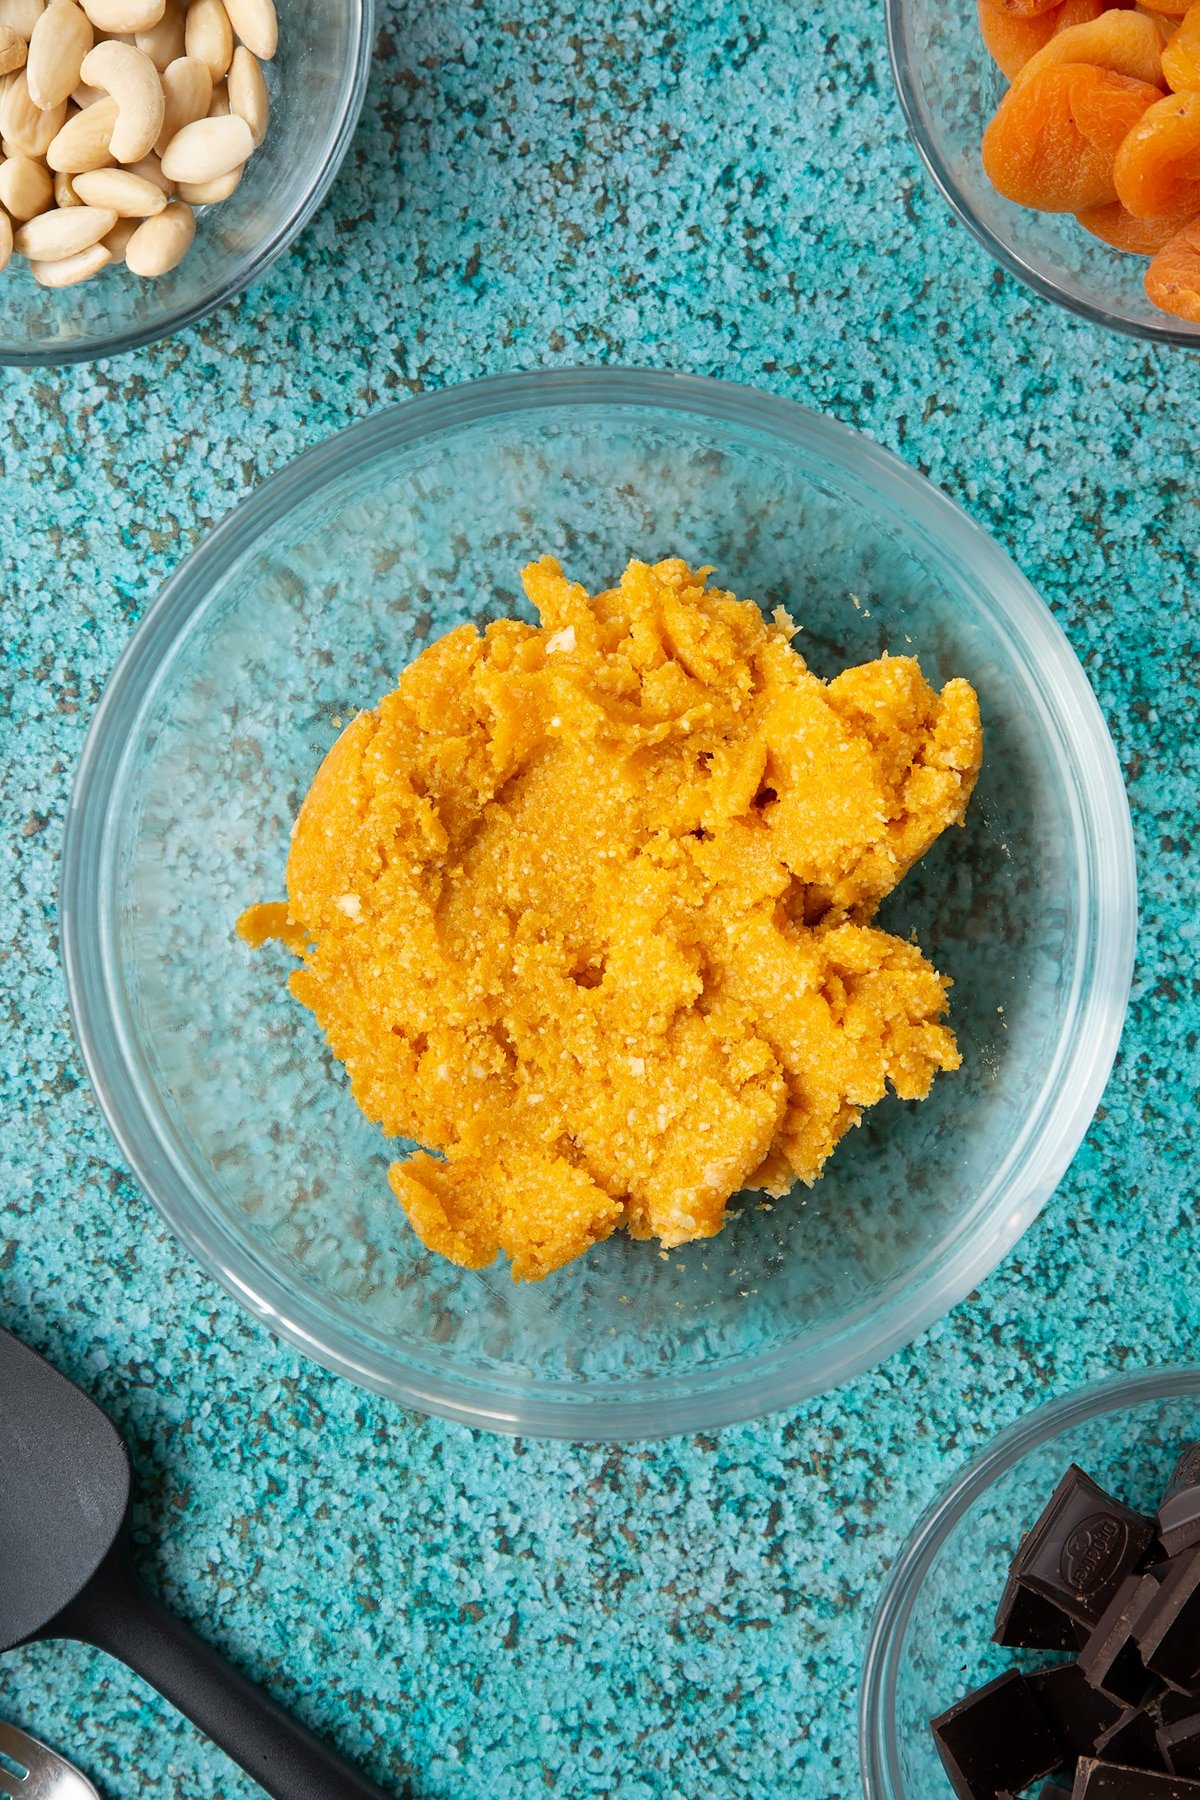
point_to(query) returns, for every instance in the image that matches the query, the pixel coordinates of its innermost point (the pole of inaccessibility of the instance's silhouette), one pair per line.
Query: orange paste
(586, 909)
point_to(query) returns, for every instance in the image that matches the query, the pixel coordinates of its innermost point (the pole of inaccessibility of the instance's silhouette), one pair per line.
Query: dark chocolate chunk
(1168, 1707)
(1132, 1740)
(1110, 1781)
(996, 1740)
(1028, 1621)
(1082, 1547)
(1054, 1790)
(1075, 1712)
(1179, 1509)
(1168, 1633)
(1110, 1659)
(1180, 1746)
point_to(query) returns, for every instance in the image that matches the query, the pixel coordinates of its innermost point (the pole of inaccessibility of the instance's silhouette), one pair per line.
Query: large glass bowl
(303, 606)
(317, 82)
(949, 88)
(930, 1643)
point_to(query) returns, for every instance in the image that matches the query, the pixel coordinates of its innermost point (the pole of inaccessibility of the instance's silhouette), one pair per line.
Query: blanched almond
(187, 95)
(117, 16)
(68, 271)
(129, 195)
(22, 15)
(161, 244)
(208, 34)
(210, 193)
(118, 238)
(163, 42)
(26, 187)
(218, 106)
(134, 83)
(207, 149)
(59, 233)
(255, 23)
(61, 39)
(150, 169)
(64, 192)
(85, 140)
(6, 236)
(28, 127)
(248, 93)
(13, 49)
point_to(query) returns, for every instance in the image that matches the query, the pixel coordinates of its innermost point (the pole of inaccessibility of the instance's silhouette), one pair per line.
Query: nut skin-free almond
(61, 39)
(160, 244)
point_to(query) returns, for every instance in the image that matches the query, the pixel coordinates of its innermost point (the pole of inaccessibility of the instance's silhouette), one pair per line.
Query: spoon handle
(117, 1613)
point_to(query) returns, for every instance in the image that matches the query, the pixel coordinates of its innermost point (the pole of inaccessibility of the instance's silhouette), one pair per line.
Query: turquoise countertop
(690, 186)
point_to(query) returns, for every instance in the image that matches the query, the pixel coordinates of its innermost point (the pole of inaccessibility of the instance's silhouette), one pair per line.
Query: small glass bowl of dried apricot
(1066, 135)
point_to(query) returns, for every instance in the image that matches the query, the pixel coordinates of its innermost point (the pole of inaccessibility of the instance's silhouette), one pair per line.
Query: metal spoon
(47, 1776)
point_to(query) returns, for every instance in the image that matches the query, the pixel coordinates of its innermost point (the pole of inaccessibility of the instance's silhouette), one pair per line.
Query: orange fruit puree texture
(1086, 127)
(587, 909)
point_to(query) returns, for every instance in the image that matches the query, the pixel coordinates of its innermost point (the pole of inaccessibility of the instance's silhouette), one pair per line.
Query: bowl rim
(621, 1411)
(878, 1741)
(101, 346)
(1002, 252)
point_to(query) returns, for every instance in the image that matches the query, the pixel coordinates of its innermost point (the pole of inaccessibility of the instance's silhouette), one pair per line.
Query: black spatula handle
(117, 1613)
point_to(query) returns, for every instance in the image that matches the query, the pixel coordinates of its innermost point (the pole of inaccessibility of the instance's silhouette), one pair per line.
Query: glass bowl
(949, 89)
(300, 608)
(317, 83)
(930, 1643)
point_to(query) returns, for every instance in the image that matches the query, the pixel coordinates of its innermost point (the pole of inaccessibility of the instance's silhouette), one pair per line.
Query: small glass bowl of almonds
(157, 155)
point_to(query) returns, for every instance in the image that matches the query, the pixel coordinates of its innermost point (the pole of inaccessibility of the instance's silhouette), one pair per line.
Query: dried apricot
(1054, 138)
(1138, 237)
(1023, 9)
(1173, 279)
(1156, 169)
(1012, 40)
(1172, 9)
(1181, 58)
(1163, 23)
(1128, 43)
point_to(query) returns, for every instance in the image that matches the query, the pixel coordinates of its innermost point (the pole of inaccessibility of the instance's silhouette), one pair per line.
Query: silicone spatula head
(64, 1492)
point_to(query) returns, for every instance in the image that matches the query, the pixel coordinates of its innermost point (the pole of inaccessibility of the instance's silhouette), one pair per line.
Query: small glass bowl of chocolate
(1040, 1632)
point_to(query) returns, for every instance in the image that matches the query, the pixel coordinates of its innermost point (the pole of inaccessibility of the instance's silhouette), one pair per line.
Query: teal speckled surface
(703, 187)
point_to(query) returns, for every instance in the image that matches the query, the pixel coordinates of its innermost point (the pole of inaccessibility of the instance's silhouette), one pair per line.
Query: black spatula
(65, 1572)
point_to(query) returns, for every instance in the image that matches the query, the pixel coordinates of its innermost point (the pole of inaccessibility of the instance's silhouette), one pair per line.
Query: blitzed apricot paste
(586, 910)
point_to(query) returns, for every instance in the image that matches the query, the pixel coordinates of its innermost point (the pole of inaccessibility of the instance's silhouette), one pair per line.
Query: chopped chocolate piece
(1179, 1509)
(1053, 1790)
(1133, 1740)
(1110, 1781)
(1110, 1659)
(1168, 1633)
(1075, 1712)
(1082, 1547)
(1028, 1621)
(1168, 1707)
(996, 1740)
(1180, 1745)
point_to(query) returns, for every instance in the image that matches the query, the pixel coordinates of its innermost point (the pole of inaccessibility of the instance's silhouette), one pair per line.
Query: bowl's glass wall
(942, 1649)
(313, 81)
(251, 1120)
(951, 88)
